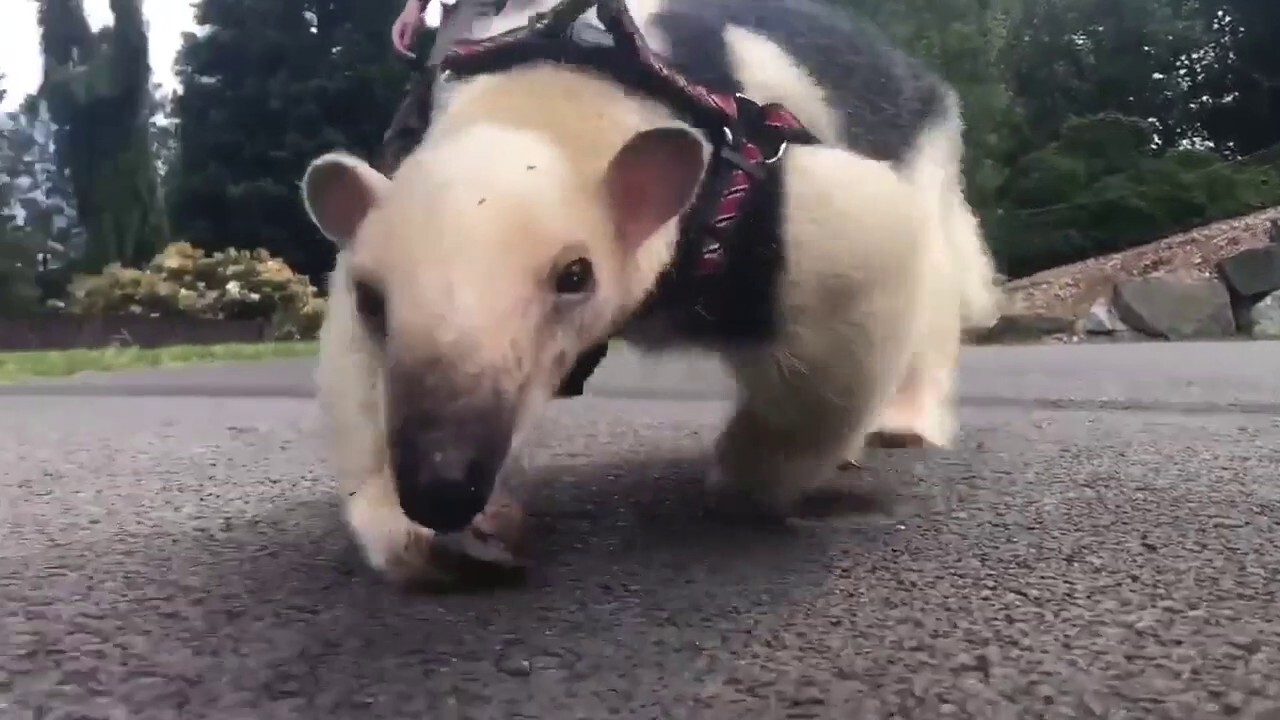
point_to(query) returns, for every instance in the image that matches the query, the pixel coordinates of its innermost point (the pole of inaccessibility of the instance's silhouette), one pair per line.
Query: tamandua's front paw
(415, 557)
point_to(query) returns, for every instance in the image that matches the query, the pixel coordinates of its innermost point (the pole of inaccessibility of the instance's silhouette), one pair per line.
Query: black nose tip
(446, 504)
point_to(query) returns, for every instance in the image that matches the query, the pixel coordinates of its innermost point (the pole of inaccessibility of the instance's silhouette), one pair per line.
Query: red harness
(748, 138)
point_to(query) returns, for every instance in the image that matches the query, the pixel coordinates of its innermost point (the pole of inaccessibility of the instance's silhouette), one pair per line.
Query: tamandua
(542, 209)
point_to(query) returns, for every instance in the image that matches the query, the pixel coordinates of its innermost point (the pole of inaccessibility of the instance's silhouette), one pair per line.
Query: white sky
(20, 40)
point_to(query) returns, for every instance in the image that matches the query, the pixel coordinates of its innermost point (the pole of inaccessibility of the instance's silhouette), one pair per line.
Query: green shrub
(229, 285)
(1099, 190)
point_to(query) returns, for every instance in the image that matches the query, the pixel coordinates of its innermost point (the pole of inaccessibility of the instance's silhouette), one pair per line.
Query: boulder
(1264, 318)
(1252, 273)
(1102, 319)
(1175, 309)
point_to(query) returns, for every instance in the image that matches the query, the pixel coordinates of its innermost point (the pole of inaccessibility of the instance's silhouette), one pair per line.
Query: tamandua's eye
(372, 306)
(576, 277)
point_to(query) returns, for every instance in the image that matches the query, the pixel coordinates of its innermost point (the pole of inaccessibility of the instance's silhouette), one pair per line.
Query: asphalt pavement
(1103, 543)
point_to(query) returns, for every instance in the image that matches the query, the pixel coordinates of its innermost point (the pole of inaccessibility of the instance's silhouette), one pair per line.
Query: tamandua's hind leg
(851, 303)
(962, 295)
(922, 413)
(782, 441)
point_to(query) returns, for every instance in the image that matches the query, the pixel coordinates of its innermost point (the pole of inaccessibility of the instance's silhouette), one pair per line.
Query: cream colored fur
(855, 303)
(885, 268)
(349, 380)
(964, 271)
(494, 227)
(924, 407)
(962, 294)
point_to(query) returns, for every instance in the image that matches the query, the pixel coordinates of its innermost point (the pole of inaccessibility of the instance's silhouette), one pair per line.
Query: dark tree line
(1097, 125)
(1092, 125)
(271, 85)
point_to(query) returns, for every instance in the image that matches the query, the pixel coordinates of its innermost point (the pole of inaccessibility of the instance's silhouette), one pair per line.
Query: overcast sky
(20, 40)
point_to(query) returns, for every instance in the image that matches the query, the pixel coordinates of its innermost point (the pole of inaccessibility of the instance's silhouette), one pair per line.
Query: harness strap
(740, 165)
(551, 35)
(747, 138)
(706, 109)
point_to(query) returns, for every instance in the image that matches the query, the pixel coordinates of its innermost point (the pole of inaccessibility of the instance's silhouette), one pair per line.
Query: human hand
(406, 27)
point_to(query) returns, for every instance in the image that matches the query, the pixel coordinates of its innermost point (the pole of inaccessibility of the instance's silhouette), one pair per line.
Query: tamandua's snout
(446, 445)
(468, 287)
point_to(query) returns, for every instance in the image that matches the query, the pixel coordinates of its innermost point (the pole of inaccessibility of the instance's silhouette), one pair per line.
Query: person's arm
(406, 27)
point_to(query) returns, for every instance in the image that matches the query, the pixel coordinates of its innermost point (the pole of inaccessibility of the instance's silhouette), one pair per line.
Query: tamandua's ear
(339, 189)
(652, 179)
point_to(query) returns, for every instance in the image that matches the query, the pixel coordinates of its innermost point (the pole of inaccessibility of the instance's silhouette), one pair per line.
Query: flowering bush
(228, 285)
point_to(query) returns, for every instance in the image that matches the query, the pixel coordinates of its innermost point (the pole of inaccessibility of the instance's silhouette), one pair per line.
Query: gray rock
(1253, 272)
(1102, 319)
(1264, 318)
(1175, 309)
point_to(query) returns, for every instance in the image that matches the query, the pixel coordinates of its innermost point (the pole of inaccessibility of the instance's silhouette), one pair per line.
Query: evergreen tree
(97, 88)
(269, 85)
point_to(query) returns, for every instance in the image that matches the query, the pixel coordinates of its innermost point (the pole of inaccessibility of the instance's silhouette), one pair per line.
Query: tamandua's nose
(442, 482)
(442, 489)
(448, 436)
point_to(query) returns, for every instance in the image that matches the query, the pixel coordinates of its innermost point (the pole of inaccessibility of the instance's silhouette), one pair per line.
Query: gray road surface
(1104, 544)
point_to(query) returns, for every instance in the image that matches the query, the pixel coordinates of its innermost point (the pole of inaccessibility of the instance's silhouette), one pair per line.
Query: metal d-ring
(782, 148)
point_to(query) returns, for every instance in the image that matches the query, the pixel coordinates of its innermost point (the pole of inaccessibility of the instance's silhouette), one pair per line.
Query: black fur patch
(737, 305)
(698, 49)
(888, 98)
